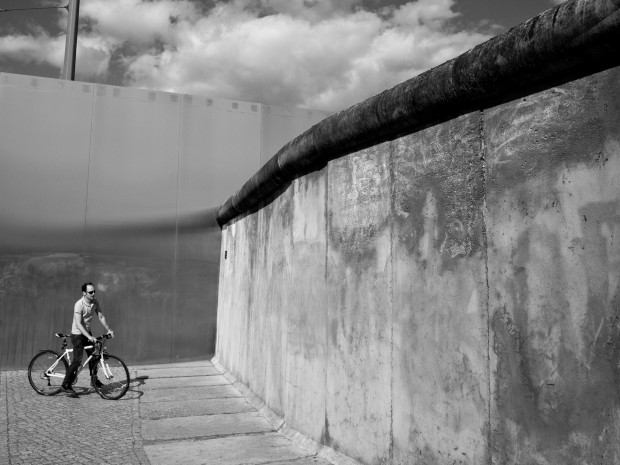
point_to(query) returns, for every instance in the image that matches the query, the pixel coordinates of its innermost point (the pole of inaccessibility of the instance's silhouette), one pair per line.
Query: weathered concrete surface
(553, 224)
(306, 309)
(440, 363)
(298, 332)
(359, 307)
(456, 295)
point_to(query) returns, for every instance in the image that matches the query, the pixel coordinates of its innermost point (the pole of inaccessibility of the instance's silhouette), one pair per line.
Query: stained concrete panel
(554, 273)
(359, 267)
(440, 360)
(235, 292)
(272, 279)
(227, 281)
(254, 355)
(306, 307)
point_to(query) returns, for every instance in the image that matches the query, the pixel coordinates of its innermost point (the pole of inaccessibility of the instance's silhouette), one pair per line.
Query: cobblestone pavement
(36, 429)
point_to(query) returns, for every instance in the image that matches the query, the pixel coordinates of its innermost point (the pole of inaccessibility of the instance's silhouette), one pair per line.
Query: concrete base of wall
(280, 425)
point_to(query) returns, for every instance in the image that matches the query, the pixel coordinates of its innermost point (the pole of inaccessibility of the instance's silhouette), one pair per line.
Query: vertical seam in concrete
(326, 278)
(392, 190)
(260, 216)
(483, 159)
(285, 314)
(176, 234)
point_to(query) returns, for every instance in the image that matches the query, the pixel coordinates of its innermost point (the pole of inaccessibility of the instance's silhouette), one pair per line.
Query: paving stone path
(37, 429)
(178, 413)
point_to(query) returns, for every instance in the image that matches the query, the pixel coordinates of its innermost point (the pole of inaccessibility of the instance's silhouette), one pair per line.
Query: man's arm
(103, 322)
(77, 318)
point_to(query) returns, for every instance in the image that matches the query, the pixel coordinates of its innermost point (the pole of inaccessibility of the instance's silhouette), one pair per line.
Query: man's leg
(92, 365)
(77, 340)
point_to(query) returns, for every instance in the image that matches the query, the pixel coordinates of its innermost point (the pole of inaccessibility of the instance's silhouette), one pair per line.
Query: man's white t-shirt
(86, 312)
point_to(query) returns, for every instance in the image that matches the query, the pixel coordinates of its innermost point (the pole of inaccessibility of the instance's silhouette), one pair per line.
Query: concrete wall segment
(553, 207)
(471, 286)
(440, 356)
(359, 350)
(306, 308)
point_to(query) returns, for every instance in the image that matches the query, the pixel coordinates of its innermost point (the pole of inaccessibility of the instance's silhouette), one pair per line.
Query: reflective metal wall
(118, 186)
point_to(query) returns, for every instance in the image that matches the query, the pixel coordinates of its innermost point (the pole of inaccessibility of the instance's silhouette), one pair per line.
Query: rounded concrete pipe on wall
(564, 43)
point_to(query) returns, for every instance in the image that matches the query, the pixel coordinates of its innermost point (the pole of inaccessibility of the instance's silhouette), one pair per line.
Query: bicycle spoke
(42, 379)
(113, 378)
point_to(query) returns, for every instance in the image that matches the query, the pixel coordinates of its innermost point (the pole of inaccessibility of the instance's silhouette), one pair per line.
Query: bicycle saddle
(61, 335)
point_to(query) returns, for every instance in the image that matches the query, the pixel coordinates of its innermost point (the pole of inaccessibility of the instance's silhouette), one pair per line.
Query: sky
(319, 54)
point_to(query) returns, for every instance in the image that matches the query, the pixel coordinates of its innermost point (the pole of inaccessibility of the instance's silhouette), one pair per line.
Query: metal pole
(68, 69)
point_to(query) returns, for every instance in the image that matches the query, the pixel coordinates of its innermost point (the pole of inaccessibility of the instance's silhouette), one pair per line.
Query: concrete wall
(118, 186)
(451, 296)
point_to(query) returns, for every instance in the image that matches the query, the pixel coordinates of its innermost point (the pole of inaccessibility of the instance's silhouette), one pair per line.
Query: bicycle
(47, 370)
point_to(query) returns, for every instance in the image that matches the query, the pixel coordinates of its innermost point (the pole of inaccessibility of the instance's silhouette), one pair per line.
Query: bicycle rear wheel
(42, 380)
(114, 379)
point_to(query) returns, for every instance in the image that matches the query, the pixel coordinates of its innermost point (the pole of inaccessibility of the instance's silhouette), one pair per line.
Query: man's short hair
(85, 286)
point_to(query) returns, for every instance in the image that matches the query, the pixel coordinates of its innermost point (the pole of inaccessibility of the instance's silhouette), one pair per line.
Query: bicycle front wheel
(43, 379)
(112, 379)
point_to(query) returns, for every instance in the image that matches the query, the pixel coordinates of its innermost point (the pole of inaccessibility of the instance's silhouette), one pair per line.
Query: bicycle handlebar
(103, 336)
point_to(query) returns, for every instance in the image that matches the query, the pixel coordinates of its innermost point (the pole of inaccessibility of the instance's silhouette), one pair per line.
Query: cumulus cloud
(39, 48)
(320, 54)
(324, 54)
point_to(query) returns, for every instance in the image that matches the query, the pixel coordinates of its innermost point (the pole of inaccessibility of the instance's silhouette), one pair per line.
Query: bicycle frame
(106, 370)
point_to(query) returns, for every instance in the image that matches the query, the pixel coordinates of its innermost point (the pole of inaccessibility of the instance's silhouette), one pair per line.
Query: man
(83, 311)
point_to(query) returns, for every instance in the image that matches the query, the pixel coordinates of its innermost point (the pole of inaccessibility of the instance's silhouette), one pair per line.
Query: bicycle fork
(106, 369)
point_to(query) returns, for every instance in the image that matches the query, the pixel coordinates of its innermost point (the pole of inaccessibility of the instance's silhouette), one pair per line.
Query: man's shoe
(67, 388)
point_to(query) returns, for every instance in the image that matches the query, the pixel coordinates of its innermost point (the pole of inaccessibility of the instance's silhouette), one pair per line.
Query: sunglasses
(91, 292)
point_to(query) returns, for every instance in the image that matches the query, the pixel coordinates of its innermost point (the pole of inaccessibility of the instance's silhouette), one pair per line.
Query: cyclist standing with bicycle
(83, 312)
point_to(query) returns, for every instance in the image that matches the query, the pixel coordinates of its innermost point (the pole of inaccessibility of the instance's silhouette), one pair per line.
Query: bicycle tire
(40, 382)
(116, 386)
